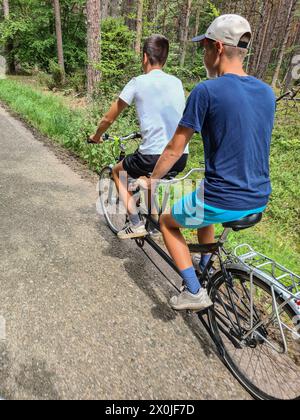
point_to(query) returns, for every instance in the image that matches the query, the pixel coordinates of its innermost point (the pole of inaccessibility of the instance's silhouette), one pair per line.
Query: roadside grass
(278, 235)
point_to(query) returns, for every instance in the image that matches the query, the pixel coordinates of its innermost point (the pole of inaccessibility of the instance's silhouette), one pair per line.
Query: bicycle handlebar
(107, 137)
(178, 180)
(291, 93)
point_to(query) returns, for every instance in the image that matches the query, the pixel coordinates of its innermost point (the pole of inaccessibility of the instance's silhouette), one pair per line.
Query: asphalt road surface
(87, 316)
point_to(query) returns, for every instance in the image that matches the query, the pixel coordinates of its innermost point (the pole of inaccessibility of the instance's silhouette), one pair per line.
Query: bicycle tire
(254, 389)
(117, 221)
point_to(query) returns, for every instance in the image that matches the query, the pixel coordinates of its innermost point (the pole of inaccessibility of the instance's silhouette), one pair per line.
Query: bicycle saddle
(245, 223)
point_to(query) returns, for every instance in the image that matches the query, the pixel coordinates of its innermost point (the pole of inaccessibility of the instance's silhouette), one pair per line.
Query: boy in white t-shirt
(160, 102)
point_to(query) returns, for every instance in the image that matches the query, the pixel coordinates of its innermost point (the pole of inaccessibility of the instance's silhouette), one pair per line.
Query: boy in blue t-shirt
(235, 115)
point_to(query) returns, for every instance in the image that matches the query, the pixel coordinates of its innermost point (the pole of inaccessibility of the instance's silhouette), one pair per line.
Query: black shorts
(138, 165)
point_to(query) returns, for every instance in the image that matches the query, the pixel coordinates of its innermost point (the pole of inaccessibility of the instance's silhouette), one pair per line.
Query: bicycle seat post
(225, 235)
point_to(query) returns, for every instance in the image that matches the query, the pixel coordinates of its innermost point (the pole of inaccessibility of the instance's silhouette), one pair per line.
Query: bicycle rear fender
(268, 281)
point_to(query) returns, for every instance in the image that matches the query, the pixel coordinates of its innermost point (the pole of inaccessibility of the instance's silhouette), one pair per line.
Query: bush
(77, 81)
(57, 74)
(44, 79)
(119, 61)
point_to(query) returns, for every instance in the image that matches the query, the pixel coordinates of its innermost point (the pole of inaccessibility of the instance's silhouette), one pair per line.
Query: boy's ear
(220, 47)
(145, 58)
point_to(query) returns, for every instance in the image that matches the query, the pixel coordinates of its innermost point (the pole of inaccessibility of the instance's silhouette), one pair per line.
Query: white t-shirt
(160, 103)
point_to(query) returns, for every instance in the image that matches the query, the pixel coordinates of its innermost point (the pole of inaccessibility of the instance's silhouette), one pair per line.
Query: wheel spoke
(260, 367)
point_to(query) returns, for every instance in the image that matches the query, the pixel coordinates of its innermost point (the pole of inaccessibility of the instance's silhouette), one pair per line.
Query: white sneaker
(132, 232)
(187, 301)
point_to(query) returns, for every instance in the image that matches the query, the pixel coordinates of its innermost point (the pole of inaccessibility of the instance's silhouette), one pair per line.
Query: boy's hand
(146, 183)
(95, 139)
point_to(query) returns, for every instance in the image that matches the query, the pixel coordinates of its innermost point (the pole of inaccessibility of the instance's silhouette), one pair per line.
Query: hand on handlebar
(145, 183)
(95, 139)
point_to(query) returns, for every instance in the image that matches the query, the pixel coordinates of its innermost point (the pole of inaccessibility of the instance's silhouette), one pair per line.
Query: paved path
(86, 316)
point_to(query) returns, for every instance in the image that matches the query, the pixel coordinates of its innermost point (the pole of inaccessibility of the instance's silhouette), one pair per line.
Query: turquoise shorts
(192, 213)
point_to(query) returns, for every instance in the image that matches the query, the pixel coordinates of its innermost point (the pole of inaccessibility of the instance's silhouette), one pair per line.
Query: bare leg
(193, 297)
(175, 242)
(122, 187)
(206, 235)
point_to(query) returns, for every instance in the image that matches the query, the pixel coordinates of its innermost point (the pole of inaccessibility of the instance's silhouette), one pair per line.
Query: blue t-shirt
(235, 116)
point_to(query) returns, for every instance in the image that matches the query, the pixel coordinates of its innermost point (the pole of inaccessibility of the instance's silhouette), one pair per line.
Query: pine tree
(139, 26)
(288, 28)
(185, 31)
(59, 39)
(93, 9)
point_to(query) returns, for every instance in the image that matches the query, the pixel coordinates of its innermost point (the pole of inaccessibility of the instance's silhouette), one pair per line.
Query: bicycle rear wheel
(110, 204)
(258, 362)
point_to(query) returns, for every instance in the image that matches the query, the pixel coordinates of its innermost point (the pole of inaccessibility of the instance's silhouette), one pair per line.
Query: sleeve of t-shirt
(129, 92)
(196, 109)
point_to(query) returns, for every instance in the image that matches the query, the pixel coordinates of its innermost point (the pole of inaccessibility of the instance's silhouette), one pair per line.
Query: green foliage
(57, 74)
(77, 81)
(119, 61)
(32, 27)
(214, 12)
(45, 79)
(192, 72)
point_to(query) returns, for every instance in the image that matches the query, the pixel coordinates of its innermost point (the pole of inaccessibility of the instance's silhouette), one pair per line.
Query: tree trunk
(60, 51)
(292, 8)
(105, 9)
(9, 46)
(93, 46)
(152, 11)
(6, 9)
(139, 26)
(114, 8)
(127, 12)
(185, 33)
(197, 24)
(199, 9)
(266, 25)
(165, 15)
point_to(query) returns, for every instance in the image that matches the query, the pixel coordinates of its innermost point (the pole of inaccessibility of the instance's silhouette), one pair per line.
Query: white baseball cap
(228, 29)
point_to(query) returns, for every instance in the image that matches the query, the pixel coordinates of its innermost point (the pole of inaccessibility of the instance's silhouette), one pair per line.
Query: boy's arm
(116, 109)
(173, 152)
(169, 158)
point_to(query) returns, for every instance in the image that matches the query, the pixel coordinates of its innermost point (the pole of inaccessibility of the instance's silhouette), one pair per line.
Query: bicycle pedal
(154, 234)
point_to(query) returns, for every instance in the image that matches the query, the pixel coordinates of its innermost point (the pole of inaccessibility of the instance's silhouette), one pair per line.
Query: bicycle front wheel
(111, 205)
(260, 347)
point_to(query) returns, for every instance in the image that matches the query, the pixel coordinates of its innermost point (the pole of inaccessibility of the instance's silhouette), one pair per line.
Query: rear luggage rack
(273, 272)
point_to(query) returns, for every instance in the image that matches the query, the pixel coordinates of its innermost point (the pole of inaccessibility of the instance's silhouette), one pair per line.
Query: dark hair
(157, 49)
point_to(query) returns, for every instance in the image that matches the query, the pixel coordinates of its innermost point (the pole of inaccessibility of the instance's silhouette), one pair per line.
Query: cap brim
(199, 38)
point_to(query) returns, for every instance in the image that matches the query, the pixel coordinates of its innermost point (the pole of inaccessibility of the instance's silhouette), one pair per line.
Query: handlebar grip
(105, 137)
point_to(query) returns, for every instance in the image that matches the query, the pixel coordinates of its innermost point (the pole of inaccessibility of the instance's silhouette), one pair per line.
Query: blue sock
(191, 280)
(135, 219)
(204, 261)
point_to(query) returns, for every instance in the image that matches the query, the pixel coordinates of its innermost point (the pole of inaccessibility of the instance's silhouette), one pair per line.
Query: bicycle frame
(217, 249)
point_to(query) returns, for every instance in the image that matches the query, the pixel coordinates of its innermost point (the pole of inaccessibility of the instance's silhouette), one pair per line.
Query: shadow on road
(34, 378)
(149, 275)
